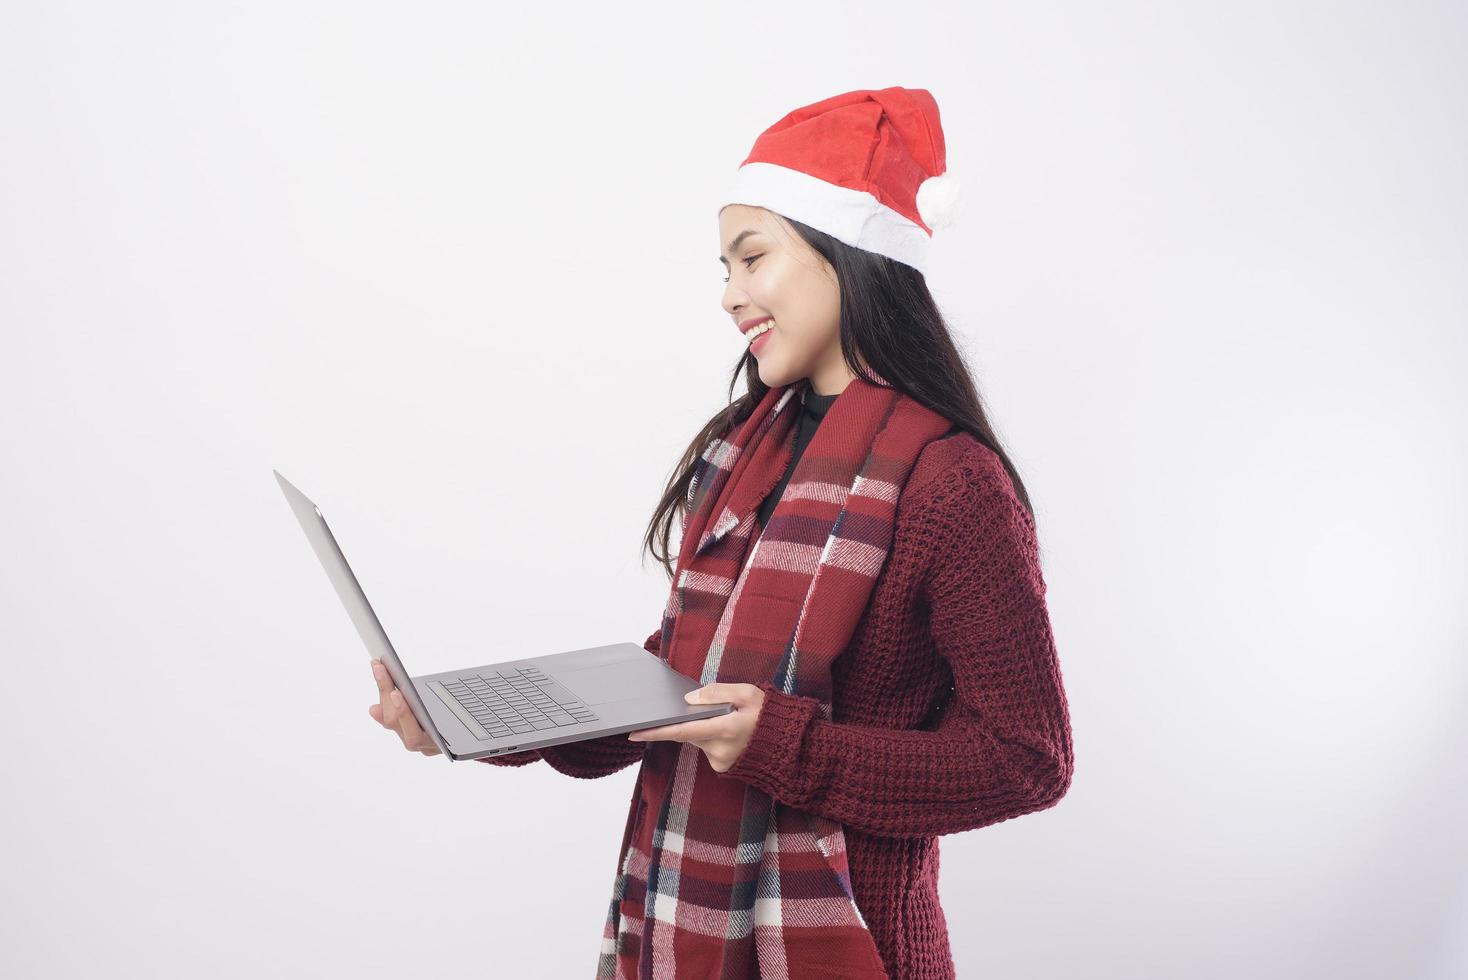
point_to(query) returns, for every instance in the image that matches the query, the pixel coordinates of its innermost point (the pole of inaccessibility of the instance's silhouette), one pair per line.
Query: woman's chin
(773, 370)
(772, 377)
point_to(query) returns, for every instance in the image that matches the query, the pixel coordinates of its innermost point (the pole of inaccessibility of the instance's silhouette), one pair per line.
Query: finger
(383, 678)
(398, 709)
(719, 693)
(413, 736)
(376, 712)
(385, 691)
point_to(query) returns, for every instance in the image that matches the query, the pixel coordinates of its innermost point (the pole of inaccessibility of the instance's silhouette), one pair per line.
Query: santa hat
(867, 167)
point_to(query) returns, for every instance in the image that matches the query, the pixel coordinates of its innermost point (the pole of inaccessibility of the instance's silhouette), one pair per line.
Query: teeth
(756, 331)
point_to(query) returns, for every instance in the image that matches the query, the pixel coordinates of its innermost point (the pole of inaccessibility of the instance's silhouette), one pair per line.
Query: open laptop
(514, 705)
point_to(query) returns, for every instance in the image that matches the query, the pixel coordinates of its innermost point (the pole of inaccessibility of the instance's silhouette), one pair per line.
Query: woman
(858, 575)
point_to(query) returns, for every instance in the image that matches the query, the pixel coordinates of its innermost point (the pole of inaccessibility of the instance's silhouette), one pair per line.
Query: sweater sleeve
(588, 759)
(1003, 747)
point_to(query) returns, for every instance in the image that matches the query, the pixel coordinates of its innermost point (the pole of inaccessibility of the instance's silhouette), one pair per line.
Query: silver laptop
(514, 705)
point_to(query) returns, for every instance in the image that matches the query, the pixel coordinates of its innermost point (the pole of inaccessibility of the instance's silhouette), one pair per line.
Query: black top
(806, 423)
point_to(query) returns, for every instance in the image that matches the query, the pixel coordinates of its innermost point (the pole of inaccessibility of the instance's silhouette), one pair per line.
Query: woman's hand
(394, 714)
(722, 739)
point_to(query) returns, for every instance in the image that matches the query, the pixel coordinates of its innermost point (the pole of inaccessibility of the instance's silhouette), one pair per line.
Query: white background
(451, 269)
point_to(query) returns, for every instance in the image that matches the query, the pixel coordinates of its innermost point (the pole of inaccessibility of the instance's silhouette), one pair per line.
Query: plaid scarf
(716, 879)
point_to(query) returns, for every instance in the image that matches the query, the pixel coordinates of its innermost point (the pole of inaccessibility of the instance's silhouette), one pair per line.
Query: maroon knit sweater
(948, 708)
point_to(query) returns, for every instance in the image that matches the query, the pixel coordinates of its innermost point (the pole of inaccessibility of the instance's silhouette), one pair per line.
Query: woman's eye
(746, 264)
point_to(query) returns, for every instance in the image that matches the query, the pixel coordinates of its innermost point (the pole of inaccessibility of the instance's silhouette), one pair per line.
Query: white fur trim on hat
(855, 217)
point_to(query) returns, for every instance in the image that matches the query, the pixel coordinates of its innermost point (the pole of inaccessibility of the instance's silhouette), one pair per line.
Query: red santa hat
(867, 167)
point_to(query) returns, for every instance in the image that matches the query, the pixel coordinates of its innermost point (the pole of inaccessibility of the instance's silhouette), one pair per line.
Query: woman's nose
(732, 301)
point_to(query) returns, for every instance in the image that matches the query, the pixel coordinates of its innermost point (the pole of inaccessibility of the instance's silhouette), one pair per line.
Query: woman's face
(773, 273)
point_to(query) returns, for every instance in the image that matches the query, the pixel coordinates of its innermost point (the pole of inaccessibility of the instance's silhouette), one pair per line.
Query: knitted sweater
(948, 711)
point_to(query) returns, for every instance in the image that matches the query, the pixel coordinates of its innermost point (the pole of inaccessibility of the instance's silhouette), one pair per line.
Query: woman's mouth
(763, 331)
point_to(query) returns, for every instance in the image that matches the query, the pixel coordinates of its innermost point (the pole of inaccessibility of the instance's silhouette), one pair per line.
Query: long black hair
(890, 321)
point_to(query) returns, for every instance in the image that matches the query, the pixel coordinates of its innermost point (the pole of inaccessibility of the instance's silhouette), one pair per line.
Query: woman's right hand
(394, 714)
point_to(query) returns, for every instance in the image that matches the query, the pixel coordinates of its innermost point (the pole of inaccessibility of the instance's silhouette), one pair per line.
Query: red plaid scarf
(716, 879)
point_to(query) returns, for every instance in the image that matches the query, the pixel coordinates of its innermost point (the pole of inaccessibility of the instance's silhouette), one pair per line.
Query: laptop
(514, 705)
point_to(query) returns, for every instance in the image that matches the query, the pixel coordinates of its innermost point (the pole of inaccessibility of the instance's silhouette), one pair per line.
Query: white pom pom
(938, 201)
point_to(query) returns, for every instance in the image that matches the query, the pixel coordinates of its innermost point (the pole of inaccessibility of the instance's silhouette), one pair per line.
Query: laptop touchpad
(614, 682)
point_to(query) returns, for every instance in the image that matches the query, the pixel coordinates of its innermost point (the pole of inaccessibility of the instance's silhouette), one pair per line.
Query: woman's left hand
(722, 739)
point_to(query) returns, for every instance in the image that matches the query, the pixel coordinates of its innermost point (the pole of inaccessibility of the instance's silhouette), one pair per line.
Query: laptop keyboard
(518, 700)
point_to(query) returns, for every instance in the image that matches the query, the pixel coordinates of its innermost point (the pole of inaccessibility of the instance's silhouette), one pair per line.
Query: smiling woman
(858, 573)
